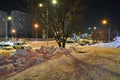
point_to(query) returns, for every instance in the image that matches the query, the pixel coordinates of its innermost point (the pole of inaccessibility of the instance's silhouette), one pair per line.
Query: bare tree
(61, 19)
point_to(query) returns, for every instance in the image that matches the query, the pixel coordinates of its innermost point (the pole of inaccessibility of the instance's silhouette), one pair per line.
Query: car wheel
(14, 47)
(22, 48)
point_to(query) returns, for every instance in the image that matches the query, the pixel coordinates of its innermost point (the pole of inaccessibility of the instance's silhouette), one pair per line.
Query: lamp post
(14, 32)
(7, 19)
(94, 28)
(105, 22)
(36, 26)
(54, 2)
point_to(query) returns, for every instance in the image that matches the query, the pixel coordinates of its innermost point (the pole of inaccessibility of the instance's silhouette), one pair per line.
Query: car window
(6, 45)
(16, 44)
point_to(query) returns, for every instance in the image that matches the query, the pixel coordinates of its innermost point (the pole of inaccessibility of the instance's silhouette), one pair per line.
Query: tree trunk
(59, 44)
(63, 43)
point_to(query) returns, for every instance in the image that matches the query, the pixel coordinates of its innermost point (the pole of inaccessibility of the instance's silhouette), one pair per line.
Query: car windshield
(16, 43)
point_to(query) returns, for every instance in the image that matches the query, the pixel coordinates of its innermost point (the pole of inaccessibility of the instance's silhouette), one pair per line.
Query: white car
(10, 43)
(20, 45)
(5, 46)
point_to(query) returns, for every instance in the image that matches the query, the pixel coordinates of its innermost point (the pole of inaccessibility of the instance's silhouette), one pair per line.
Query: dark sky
(96, 11)
(8, 5)
(100, 9)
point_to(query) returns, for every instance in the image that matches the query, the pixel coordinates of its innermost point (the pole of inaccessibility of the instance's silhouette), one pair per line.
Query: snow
(53, 63)
(113, 44)
(118, 39)
(108, 45)
(93, 64)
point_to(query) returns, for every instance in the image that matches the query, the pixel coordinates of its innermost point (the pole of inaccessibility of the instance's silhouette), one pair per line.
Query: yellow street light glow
(13, 31)
(94, 27)
(9, 18)
(104, 22)
(36, 25)
(54, 1)
(40, 5)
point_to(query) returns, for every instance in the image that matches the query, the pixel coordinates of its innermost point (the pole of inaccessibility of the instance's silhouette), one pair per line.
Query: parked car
(20, 45)
(85, 42)
(69, 40)
(10, 43)
(6, 46)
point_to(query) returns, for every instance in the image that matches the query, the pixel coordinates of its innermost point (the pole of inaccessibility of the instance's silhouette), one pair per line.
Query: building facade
(22, 23)
(3, 24)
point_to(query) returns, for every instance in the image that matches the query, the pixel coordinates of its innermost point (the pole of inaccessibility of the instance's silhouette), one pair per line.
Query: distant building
(22, 23)
(3, 23)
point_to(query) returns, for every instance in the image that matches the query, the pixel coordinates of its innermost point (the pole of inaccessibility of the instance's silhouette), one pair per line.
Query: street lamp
(54, 1)
(40, 5)
(36, 26)
(94, 28)
(89, 28)
(47, 15)
(14, 32)
(105, 22)
(9, 18)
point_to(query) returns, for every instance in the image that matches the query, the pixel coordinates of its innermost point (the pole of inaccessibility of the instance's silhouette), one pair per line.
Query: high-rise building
(22, 23)
(3, 23)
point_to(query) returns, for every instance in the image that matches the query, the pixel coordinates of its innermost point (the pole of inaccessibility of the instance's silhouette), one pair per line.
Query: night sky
(8, 5)
(100, 9)
(96, 11)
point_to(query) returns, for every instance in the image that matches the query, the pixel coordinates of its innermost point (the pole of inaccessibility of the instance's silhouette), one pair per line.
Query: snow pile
(108, 45)
(114, 44)
(95, 64)
(24, 58)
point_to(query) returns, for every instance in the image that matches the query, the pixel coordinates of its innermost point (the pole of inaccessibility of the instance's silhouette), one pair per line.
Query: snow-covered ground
(113, 44)
(74, 63)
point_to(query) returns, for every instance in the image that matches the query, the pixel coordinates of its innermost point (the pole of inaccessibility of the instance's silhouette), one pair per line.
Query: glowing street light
(94, 28)
(105, 22)
(40, 5)
(36, 26)
(14, 32)
(9, 18)
(54, 1)
(89, 28)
